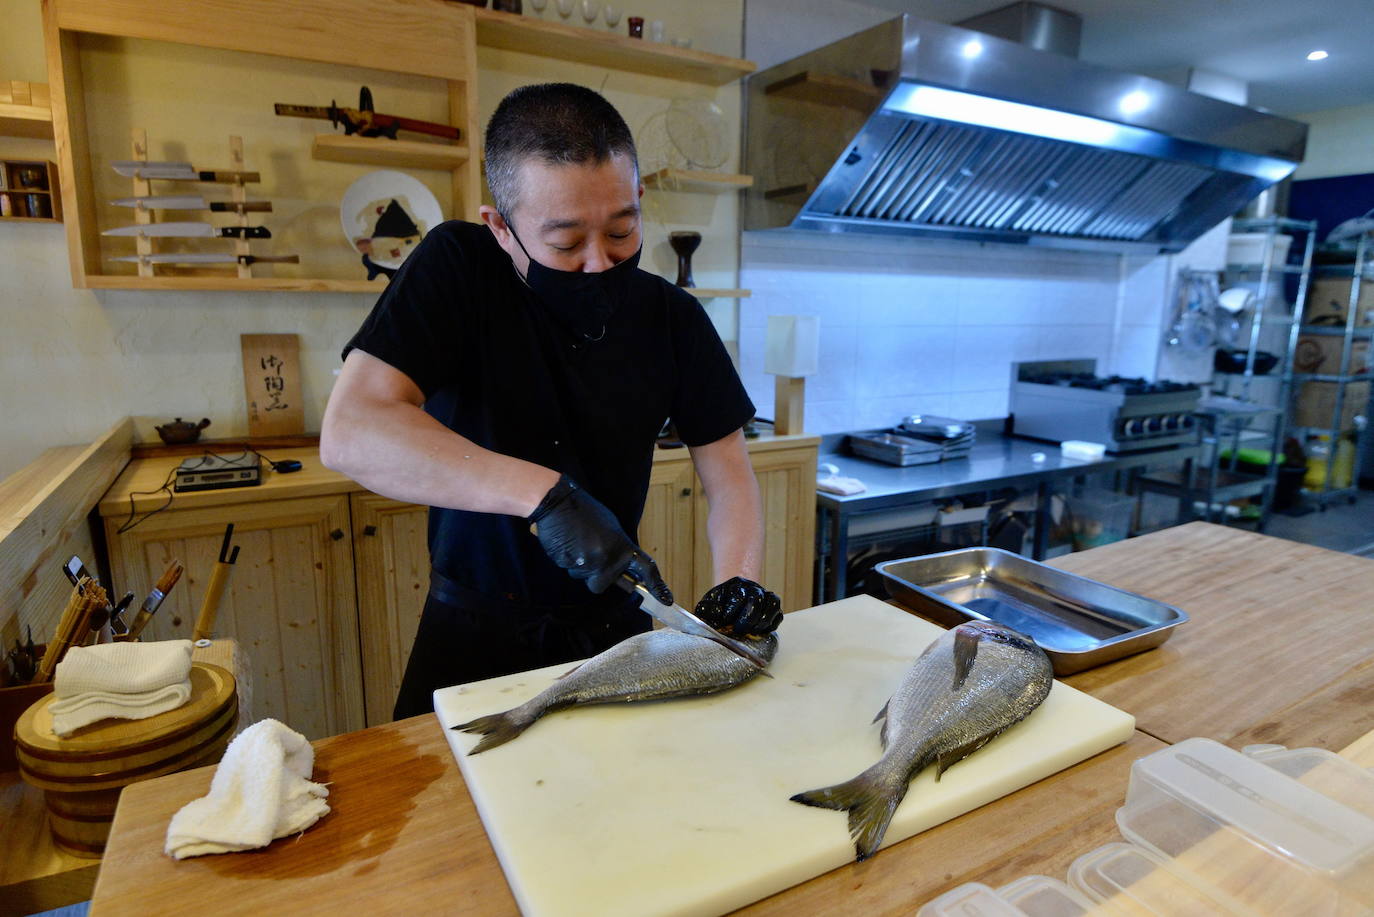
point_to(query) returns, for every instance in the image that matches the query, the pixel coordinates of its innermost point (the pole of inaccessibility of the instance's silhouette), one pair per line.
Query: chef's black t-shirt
(497, 367)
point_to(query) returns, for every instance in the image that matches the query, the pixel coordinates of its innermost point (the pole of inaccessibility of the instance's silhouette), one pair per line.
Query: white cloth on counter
(829, 480)
(129, 681)
(261, 791)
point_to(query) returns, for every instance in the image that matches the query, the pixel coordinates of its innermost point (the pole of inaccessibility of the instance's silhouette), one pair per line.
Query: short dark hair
(557, 123)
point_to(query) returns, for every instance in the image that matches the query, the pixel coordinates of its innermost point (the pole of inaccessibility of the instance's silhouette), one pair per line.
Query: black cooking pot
(1228, 360)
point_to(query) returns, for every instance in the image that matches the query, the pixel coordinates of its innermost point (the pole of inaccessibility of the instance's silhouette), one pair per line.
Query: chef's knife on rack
(680, 619)
(179, 171)
(192, 202)
(208, 258)
(190, 230)
(155, 599)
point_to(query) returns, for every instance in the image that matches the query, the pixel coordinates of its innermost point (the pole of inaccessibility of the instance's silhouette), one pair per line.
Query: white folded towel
(128, 681)
(261, 791)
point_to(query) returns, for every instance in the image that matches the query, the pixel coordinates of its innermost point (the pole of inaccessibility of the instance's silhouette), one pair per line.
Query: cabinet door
(787, 490)
(391, 551)
(665, 529)
(289, 600)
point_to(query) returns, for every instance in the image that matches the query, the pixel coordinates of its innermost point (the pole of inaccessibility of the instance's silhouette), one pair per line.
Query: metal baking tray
(895, 449)
(1079, 622)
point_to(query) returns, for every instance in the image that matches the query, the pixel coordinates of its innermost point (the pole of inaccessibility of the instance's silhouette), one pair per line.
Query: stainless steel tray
(1079, 622)
(895, 449)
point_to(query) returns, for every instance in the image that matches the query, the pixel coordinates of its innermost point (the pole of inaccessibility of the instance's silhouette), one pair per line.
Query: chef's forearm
(734, 525)
(397, 450)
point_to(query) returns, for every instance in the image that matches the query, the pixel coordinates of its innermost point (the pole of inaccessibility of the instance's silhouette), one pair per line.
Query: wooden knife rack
(144, 216)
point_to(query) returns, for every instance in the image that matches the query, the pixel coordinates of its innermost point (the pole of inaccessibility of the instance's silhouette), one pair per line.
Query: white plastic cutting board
(681, 807)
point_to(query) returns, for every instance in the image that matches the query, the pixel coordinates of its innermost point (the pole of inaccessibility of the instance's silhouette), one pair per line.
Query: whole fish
(653, 665)
(966, 688)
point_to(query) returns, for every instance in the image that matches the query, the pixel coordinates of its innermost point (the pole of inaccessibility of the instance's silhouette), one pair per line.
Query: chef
(514, 377)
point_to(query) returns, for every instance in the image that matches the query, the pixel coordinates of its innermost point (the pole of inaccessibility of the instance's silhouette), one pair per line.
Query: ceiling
(1263, 42)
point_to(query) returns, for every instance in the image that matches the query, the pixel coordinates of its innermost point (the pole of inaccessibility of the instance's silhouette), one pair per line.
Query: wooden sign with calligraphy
(272, 384)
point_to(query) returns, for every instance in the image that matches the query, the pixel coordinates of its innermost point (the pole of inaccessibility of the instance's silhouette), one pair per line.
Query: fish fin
(945, 761)
(965, 651)
(870, 804)
(570, 671)
(882, 714)
(496, 729)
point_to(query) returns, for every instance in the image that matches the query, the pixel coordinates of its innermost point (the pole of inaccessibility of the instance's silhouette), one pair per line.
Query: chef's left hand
(740, 607)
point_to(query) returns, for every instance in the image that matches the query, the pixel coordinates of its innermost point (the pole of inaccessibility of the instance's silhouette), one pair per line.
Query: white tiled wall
(909, 326)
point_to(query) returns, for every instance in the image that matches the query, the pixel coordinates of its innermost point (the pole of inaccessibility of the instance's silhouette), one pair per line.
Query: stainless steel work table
(995, 461)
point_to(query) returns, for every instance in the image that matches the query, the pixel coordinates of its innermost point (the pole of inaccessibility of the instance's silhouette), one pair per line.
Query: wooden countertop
(143, 479)
(1267, 656)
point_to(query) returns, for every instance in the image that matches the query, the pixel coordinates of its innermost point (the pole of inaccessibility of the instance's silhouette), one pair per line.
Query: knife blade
(178, 171)
(680, 619)
(192, 202)
(189, 231)
(207, 258)
(155, 598)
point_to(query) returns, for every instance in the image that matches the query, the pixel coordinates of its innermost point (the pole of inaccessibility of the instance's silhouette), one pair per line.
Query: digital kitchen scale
(215, 472)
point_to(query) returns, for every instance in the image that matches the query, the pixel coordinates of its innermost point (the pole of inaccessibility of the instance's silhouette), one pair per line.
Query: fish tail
(870, 801)
(496, 728)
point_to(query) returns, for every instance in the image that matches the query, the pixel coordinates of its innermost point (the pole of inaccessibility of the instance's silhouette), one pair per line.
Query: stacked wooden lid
(81, 775)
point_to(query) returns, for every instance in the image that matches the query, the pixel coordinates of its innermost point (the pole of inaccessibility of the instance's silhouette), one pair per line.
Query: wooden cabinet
(666, 528)
(391, 566)
(290, 599)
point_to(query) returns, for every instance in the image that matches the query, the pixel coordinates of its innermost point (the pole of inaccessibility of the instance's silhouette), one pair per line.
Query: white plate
(359, 211)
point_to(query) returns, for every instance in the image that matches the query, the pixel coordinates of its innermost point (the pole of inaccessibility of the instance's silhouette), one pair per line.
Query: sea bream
(655, 665)
(966, 688)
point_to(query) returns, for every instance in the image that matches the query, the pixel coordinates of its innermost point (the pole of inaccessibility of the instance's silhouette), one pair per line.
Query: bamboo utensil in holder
(87, 599)
(205, 621)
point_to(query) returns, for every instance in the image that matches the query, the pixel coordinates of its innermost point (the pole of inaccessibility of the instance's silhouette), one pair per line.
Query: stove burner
(1115, 384)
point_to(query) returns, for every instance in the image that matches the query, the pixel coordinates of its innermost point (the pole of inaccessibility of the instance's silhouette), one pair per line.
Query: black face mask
(580, 301)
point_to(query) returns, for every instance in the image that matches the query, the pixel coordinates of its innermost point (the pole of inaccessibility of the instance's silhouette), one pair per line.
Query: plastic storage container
(1028, 896)
(1124, 879)
(1249, 835)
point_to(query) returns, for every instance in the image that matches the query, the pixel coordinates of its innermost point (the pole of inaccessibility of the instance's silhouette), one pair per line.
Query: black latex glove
(740, 607)
(582, 536)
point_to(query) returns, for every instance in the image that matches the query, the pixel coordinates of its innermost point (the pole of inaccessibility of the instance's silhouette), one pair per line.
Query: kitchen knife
(680, 619)
(190, 230)
(155, 598)
(178, 171)
(207, 258)
(192, 202)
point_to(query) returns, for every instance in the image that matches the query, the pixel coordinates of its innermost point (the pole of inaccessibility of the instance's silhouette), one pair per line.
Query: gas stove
(1058, 400)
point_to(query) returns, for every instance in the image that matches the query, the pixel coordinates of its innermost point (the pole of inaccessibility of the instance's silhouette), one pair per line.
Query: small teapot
(181, 431)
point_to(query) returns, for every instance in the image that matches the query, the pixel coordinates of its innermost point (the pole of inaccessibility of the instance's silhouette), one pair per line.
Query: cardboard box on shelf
(1316, 404)
(1328, 302)
(1321, 353)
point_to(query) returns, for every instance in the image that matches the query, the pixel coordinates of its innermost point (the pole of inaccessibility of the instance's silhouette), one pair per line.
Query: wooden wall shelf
(828, 89)
(701, 182)
(397, 154)
(512, 32)
(230, 282)
(707, 293)
(25, 110)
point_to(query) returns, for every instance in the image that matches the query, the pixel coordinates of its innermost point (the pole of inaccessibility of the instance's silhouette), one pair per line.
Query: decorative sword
(365, 122)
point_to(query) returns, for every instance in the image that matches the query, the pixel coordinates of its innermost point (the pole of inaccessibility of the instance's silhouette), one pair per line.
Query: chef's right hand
(582, 536)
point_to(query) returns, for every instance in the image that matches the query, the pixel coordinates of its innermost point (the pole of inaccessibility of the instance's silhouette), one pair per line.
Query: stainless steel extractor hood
(924, 129)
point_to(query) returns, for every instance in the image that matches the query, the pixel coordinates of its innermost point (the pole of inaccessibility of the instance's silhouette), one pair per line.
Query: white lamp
(792, 353)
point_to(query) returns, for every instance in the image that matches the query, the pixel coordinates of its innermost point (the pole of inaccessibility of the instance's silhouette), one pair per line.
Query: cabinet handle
(336, 534)
(686, 491)
(369, 530)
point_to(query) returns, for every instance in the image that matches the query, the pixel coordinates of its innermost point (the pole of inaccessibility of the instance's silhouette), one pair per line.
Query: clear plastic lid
(1041, 896)
(1129, 881)
(972, 899)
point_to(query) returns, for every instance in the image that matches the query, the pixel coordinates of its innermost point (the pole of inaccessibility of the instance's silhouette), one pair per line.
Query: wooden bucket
(81, 775)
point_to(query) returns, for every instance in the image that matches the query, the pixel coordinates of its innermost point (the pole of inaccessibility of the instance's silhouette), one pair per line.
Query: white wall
(1341, 142)
(910, 326)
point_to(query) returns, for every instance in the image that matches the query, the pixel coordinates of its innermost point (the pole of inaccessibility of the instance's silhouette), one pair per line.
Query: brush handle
(205, 621)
